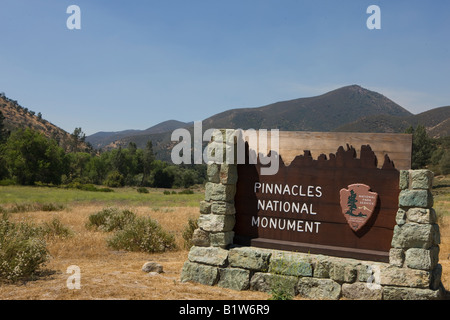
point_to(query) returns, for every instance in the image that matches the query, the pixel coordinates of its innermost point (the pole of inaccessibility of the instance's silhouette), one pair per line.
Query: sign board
(342, 204)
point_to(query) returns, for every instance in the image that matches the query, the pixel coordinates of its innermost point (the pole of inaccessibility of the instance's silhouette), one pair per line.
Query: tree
(115, 180)
(445, 162)
(118, 161)
(4, 133)
(132, 148)
(77, 165)
(97, 169)
(77, 137)
(163, 178)
(422, 147)
(351, 203)
(147, 163)
(31, 157)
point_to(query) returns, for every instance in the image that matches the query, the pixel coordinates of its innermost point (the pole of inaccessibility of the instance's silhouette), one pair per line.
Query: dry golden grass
(444, 253)
(109, 274)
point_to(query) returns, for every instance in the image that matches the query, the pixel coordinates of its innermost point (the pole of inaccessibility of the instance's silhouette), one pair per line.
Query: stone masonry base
(309, 276)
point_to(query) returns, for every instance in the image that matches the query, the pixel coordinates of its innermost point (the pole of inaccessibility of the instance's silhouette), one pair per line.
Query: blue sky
(136, 63)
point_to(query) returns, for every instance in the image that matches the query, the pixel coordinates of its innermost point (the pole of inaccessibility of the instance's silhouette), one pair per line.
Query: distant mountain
(18, 117)
(436, 121)
(325, 112)
(108, 140)
(321, 113)
(351, 108)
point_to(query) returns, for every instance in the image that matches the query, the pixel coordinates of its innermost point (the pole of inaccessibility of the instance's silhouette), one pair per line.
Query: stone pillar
(416, 239)
(217, 212)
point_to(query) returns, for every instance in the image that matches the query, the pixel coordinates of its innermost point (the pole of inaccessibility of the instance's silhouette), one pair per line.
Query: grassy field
(441, 192)
(115, 274)
(12, 195)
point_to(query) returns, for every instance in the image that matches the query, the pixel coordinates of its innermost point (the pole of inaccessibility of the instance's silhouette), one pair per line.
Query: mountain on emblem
(357, 204)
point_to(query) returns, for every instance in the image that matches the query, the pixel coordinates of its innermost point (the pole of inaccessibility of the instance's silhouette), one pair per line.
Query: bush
(142, 190)
(188, 232)
(29, 207)
(186, 191)
(280, 289)
(143, 234)
(86, 187)
(105, 190)
(7, 182)
(110, 219)
(115, 180)
(21, 207)
(22, 250)
(55, 229)
(51, 207)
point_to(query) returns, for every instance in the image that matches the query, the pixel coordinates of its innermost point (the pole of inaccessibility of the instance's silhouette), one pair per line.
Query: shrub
(51, 207)
(86, 187)
(55, 229)
(115, 180)
(188, 232)
(280, 289)
(29, 207)
(142, 190)
(22, 250)
(111, 219)
(7, 182)
(186, 191)
(143, 234)
(166, 192)
(21, 207)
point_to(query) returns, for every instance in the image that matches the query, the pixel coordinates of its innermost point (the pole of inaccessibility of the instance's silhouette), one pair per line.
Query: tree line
(431, 153)
(27, 157)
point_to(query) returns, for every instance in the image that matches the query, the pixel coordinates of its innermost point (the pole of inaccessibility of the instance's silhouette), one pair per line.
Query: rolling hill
(351, 109)
(321, 113)
(436, 121)
(325, 112)
(101, 140)
(18, 117)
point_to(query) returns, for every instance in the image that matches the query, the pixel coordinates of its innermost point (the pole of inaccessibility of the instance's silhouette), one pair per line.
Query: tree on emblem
(352, 205)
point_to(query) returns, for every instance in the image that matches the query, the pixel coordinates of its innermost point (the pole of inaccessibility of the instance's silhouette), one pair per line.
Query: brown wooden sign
(338, 205)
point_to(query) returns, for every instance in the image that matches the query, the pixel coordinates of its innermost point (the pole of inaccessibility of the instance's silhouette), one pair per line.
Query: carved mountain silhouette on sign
(319, 227)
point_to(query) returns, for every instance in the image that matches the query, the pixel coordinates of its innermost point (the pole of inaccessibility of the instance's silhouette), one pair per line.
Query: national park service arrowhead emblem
(358, 204)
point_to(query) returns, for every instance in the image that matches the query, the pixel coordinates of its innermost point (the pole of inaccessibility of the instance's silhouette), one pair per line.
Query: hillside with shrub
(33, 151)
(19, 117)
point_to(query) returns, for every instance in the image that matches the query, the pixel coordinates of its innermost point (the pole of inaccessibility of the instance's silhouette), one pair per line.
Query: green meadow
(441, 193)
(23, 195)
(128, 196)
